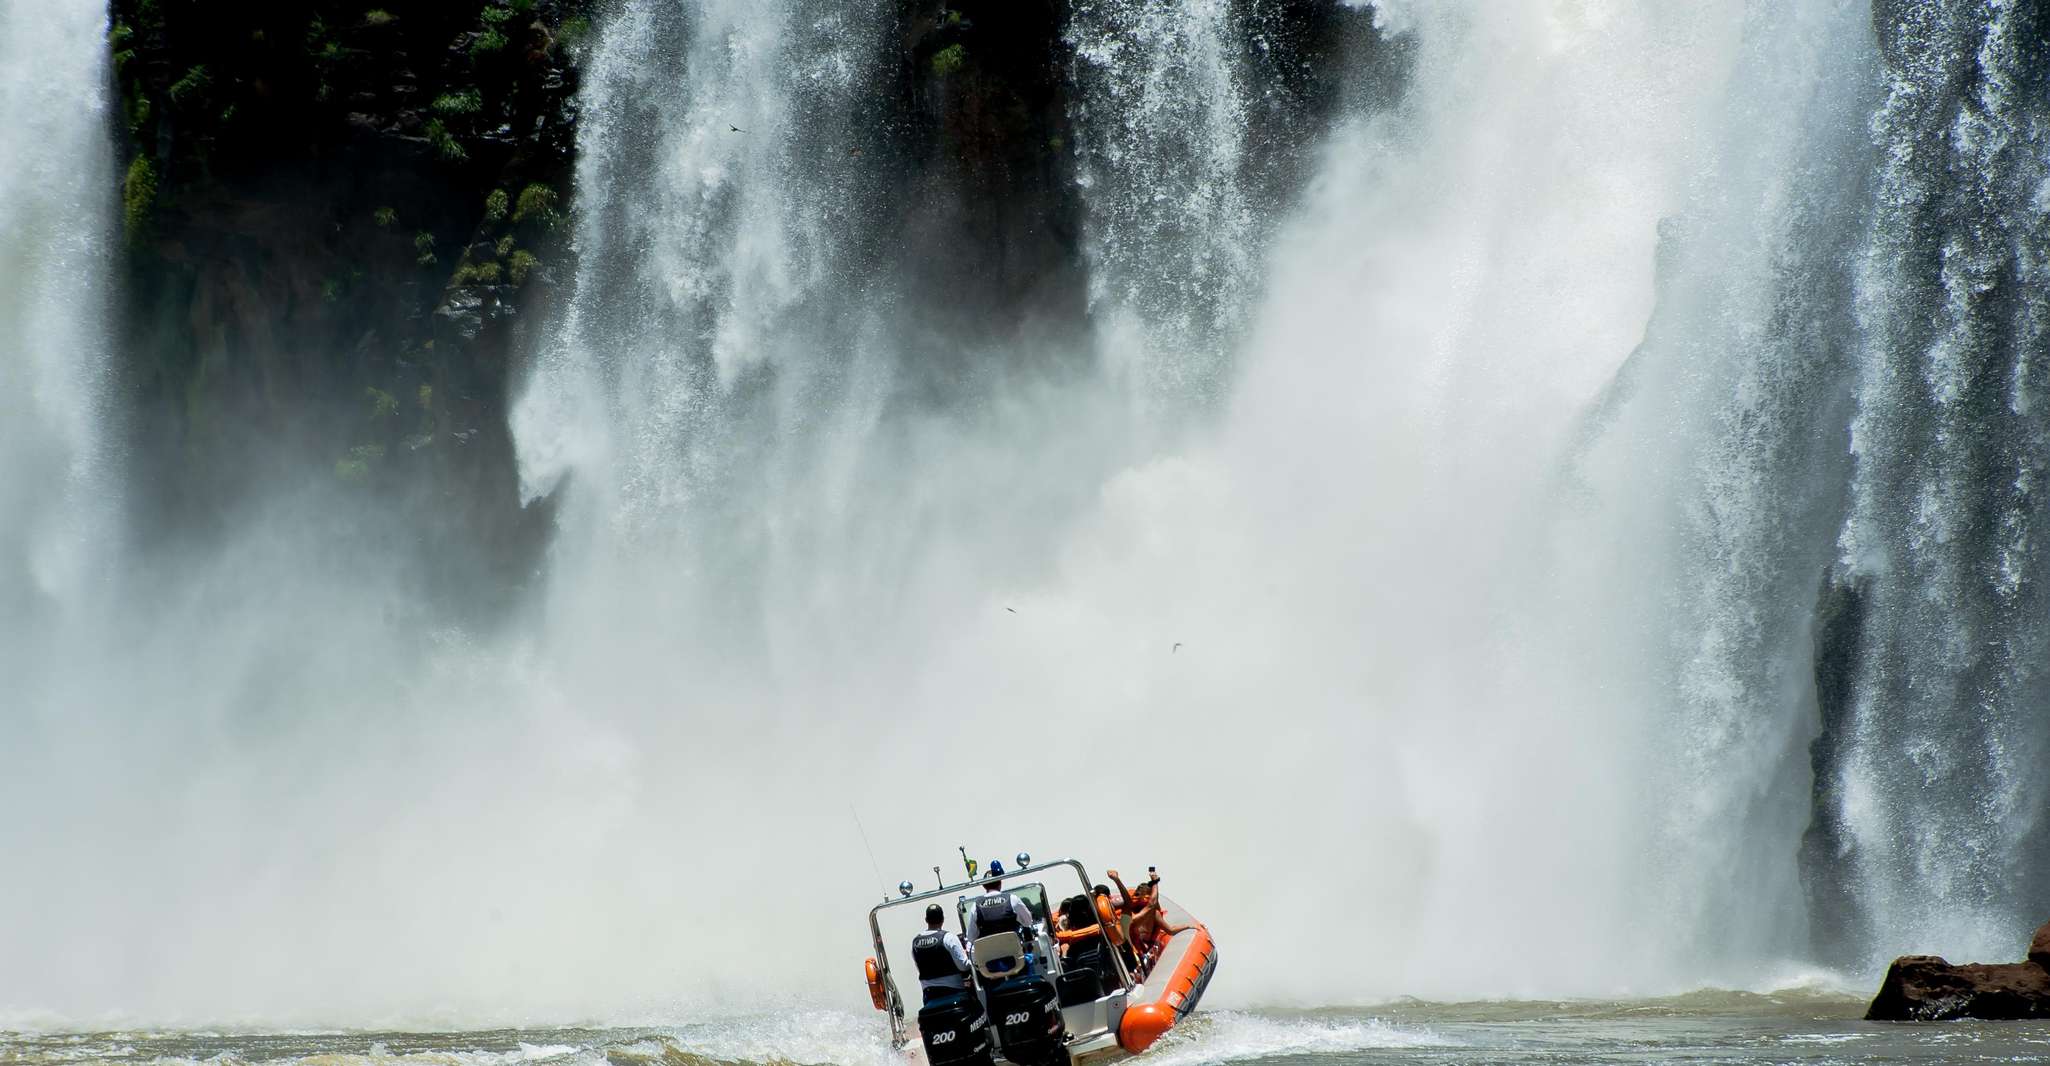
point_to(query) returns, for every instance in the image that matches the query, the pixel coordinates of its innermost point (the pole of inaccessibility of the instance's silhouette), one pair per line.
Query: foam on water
(1236, 1036)
(797, 1036)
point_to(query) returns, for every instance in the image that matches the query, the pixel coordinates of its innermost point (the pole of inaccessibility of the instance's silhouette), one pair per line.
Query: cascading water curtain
(714, 319)
(56, 202)
(1829, 428)
(1174, 234)
(1937, 767)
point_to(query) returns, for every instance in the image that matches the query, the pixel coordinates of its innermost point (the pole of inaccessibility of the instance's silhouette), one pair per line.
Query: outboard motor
(1027, 1017)
(955, 1032)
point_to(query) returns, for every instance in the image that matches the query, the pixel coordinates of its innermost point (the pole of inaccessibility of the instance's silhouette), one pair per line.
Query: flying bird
(735, 128)
(1013, 610)
(1177, 647)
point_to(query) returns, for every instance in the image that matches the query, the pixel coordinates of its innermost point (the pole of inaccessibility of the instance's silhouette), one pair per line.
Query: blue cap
(996, 867)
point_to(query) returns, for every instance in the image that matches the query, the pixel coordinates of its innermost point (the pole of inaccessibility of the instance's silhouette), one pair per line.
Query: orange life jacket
(1107, 916)
(1070, 936)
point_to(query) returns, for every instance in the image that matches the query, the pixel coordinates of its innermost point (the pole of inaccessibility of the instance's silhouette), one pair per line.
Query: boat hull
(1173, 987)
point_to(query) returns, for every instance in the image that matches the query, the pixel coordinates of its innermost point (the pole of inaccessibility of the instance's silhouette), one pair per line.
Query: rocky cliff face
(337, 220)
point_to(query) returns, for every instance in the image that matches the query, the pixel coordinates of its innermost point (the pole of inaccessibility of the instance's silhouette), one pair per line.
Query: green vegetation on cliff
(138, 197)
(320, 201)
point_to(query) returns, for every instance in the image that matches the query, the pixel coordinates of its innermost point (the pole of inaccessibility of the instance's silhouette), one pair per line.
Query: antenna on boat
(872, 864)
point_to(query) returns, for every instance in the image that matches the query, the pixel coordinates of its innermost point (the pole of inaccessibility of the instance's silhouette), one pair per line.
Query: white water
(1175, 241)
(55, 227)
(1943, 789)
(1449, 707)
(1491, 573)
(1709, 469)
(1426, 696)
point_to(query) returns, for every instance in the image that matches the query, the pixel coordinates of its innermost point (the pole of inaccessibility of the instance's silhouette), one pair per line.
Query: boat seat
(999, 956)
(1080, 984)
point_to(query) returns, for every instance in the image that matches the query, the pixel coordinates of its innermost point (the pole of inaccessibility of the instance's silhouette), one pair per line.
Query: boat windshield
(1033, 894)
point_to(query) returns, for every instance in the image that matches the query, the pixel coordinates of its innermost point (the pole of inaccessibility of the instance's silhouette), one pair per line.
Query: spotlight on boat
(903, 888)
(1024, 860)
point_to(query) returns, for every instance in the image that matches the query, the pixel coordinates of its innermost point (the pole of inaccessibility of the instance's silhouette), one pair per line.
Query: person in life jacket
(999, 911)
(942, 961)
(1075, 922)
(1114, 925)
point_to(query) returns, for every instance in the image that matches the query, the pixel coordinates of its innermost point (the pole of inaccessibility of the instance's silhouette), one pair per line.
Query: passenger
(942, 961)
(1122, 898)
(1077, 923)
(999, 911)
(1089, 923)
(1086, 967)
(1150, 927)
(1113, 924)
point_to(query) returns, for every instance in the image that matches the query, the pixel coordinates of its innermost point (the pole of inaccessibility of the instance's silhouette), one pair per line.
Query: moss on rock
(138, 198)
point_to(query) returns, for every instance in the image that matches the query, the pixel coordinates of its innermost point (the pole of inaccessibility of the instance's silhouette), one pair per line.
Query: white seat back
(999, 955)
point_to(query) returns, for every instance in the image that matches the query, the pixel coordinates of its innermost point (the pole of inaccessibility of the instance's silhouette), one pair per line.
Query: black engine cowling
(1026, 1015)
(955, 1031)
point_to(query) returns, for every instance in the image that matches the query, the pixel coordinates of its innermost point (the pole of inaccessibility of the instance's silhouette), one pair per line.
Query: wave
(800, 1038)
(790, 1038)
(804, 1037)
(1237, 1036)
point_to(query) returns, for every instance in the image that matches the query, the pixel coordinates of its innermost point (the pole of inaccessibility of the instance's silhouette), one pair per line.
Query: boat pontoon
(1044, 997)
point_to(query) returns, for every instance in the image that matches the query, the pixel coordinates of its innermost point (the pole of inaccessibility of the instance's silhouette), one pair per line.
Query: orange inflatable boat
(1057, 990)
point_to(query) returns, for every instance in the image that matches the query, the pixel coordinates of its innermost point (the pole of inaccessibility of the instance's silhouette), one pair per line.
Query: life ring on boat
(876, 994)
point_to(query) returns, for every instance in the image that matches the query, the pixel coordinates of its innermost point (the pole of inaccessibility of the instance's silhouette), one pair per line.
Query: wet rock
(1925, 988)
(464, 312)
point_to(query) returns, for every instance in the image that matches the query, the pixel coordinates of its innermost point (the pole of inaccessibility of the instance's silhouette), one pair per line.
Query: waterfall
(1174, 239)
(1831, 404)
(714, 156)
(1580, 513)
(55, 203)
(1936, 775)
(1713, 467)
(1388, 544)
(713, 382)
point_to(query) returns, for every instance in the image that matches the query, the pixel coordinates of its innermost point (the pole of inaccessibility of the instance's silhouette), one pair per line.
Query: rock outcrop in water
(1925, 988)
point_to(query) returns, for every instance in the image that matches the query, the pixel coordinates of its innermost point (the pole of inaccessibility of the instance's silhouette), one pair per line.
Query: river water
(1735, 1028)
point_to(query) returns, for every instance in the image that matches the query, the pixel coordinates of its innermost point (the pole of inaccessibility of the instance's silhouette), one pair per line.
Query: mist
(1399, 564)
